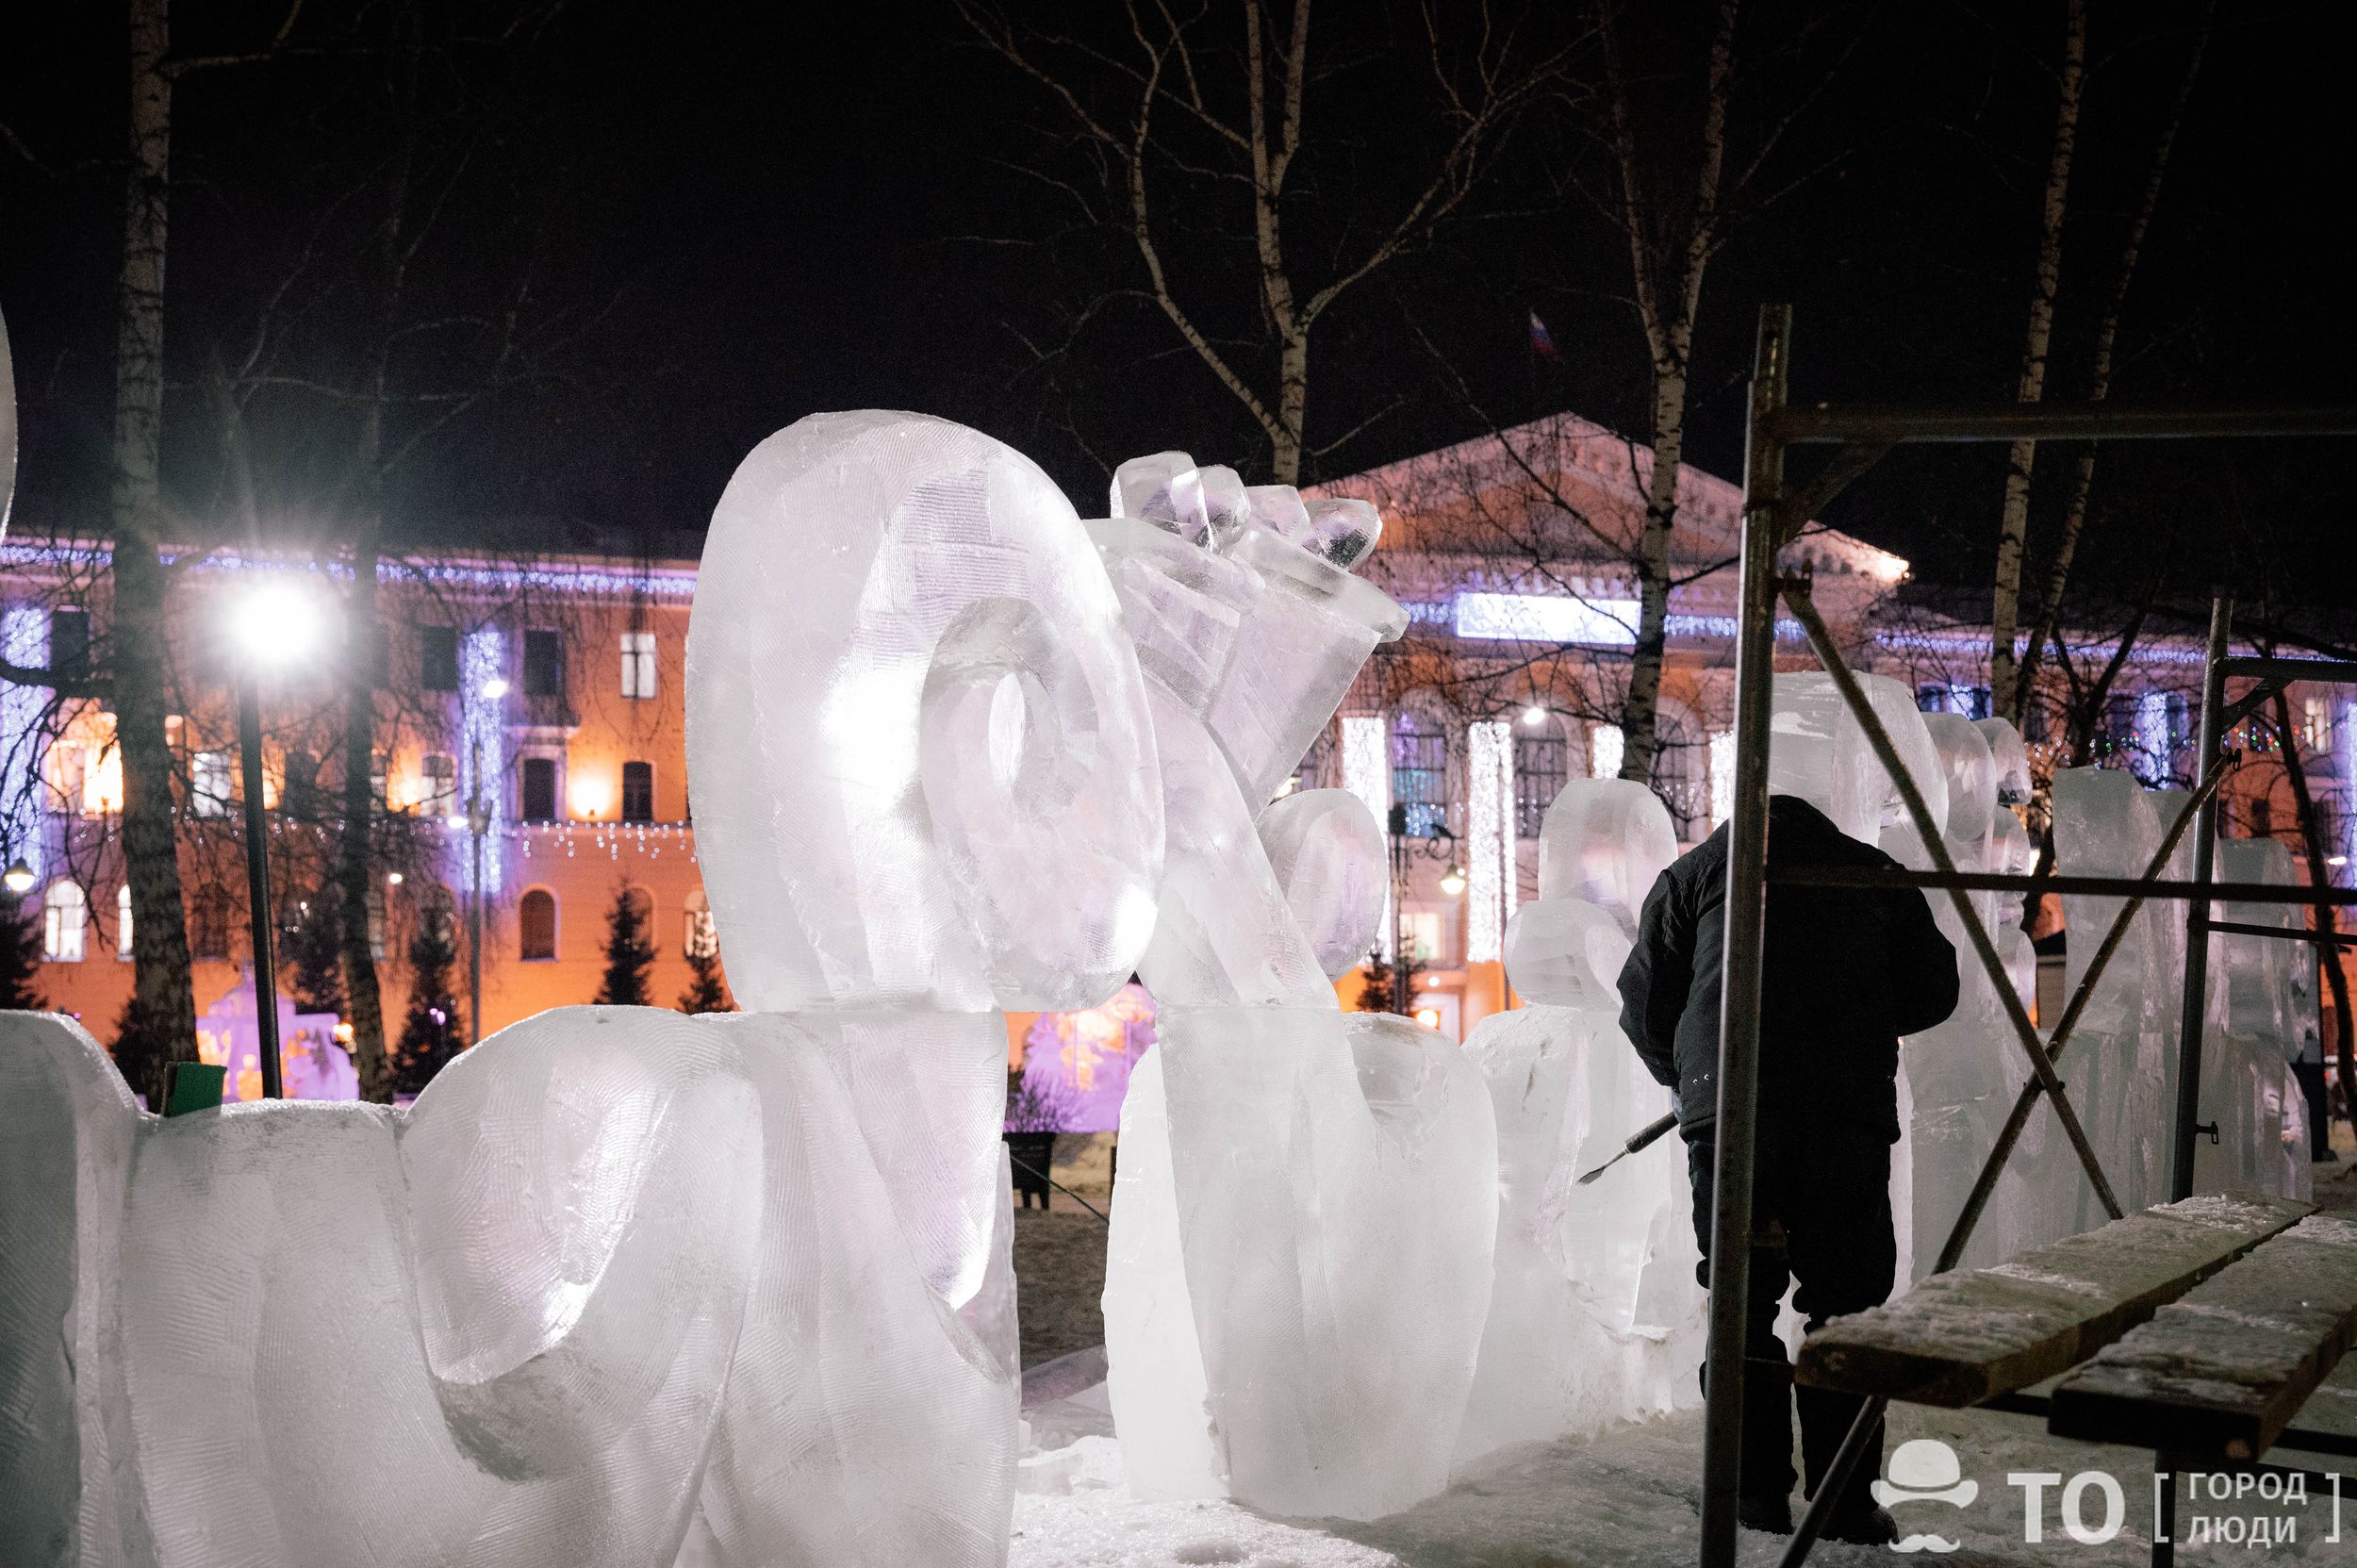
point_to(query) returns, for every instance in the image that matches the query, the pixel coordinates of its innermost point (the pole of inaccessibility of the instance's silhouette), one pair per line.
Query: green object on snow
(192, 1086)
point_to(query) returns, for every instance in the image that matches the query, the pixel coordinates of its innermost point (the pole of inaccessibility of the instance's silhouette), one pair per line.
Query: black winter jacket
(1846, 972)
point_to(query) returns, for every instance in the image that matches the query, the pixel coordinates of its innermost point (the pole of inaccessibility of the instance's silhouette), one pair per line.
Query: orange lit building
(584, 772)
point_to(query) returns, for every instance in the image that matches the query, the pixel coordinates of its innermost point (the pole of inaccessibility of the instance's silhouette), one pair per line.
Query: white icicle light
(1366, 773)
(1490, 783)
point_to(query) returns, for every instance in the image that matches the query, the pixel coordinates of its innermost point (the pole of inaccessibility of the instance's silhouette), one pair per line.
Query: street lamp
(478, 822)
(18, 878)
(1439, 844)
(276, 622)
(1534, 716)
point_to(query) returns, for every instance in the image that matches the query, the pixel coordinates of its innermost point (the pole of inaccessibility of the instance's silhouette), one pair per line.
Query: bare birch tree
(163, 1007)
(2013, 521)
(2099, 388)
(1180, 134)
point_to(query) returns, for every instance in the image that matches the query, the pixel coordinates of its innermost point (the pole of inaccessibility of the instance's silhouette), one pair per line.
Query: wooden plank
(2220, 1373)
(1968, 1335)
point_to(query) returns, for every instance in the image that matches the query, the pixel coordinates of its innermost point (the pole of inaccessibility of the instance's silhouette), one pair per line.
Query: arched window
(1681, 770)
(535, 920)
(1419, 773)
(65, 917)
(1541, 767)
(123, 921)
(700, 940)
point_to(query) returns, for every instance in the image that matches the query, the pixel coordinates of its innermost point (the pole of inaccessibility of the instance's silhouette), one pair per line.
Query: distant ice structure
(2125, 1085)
(622, 1279)
(1301, 1248)
(1594, 1316)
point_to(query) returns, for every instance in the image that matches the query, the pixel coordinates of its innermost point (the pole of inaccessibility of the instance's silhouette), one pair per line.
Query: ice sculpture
(1301, 1256)
(2107, 824)
(621, 1278)
(1960, 1074)
(1594, 1314)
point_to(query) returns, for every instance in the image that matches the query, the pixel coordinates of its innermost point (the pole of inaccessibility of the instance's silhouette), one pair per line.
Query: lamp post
(277, 623)
(478, 822)
(1437, 845)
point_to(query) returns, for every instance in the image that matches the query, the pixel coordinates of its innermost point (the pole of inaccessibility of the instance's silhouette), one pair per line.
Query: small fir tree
(20, 958)
(706, 991)
(314, 955)
(628, 953)
(1391, 987)
(432, 1033)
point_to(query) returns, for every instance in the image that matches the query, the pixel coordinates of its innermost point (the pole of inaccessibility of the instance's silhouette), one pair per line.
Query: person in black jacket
(1846, 972)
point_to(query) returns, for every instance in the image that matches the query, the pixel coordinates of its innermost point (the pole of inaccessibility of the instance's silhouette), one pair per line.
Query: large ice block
(1594, 1316)
(909, 693)
(1294, 1301)
(576, 1291)
(1327, 855)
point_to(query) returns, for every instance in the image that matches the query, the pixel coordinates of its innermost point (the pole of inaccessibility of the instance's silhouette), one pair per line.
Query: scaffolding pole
(1769, 516)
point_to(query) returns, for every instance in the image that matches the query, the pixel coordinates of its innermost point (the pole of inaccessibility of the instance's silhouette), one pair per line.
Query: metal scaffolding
(1771, 517)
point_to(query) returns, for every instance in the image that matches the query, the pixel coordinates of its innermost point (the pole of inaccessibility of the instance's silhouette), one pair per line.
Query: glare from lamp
(2328, 860)
(277, 623)
(18, 878)
(1453, 880)
(1429, 1017)
(392, 879)
(1533, 717)
(495, 689)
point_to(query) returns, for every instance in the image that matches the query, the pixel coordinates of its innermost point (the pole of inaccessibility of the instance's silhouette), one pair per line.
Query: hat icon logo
(1924, 1471)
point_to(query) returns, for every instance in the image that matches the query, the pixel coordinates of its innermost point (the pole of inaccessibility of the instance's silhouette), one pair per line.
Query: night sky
(699, 225)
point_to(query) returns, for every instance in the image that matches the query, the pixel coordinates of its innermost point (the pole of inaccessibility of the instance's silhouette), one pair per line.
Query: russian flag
(1542, 343)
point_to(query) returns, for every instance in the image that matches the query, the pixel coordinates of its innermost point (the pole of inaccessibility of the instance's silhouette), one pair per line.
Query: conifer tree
(314, 953)
(706, 991)
(20, 958)
(432, 1033)
(628, 953)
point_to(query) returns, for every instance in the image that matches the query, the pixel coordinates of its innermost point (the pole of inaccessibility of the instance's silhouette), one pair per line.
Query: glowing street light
(18, 878)
(274, 625)
(1453, 880)
(1533, 717)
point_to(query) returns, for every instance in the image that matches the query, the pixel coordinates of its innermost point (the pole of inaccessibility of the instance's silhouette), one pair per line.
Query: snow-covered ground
(1629, 1499)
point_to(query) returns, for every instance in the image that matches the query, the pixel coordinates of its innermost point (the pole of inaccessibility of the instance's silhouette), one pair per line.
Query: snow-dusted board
(1970, 1335)
(2218, 1374)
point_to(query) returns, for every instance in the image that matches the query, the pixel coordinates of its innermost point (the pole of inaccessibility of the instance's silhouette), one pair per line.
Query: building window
(69, 777)
(441, 785)
(1680, 772)
(1420, 930)
(637, 792)
(539, 789)
(208, 925)
(68, 640)
(210, 793)
(544, 663)
(2316, 729)
(123, 921)
(1419, 775)
(639, 665)
(536, 920)
(700, 939)
(65, 917)
(438, 658)
(1540, 762)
